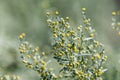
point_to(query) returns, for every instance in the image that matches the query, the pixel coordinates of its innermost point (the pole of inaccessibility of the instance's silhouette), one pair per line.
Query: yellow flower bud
(48, 13)
(91, 35)
(36, 49)
(78, 28)
(54, 35)
(67, 18)
(43, 67)
(113, 13)
(30, 66)
(69, 45)
(98, 56)
(56, 12)
(28, 56)
(22, 36)
(83, 9)
(119, 33)
(86, 28)
(24, 61)
(43, 53)
(63, 34)
(67, 34)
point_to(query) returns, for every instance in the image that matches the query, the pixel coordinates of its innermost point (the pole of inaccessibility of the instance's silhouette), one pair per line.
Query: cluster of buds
(33, 60)
(116, 21)
(75, 49)
(9, 77)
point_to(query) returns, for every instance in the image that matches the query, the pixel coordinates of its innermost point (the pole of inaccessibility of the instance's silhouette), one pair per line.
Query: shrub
(9, 77)
(115, 21)
(75, 49)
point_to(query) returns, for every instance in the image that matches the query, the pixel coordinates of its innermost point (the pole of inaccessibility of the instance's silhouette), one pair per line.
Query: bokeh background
(29, 16)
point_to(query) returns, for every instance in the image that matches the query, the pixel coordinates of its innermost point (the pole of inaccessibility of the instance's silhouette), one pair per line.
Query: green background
(29, 16)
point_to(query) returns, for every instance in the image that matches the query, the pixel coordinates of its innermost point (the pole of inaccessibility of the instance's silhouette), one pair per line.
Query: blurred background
(29, 16)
